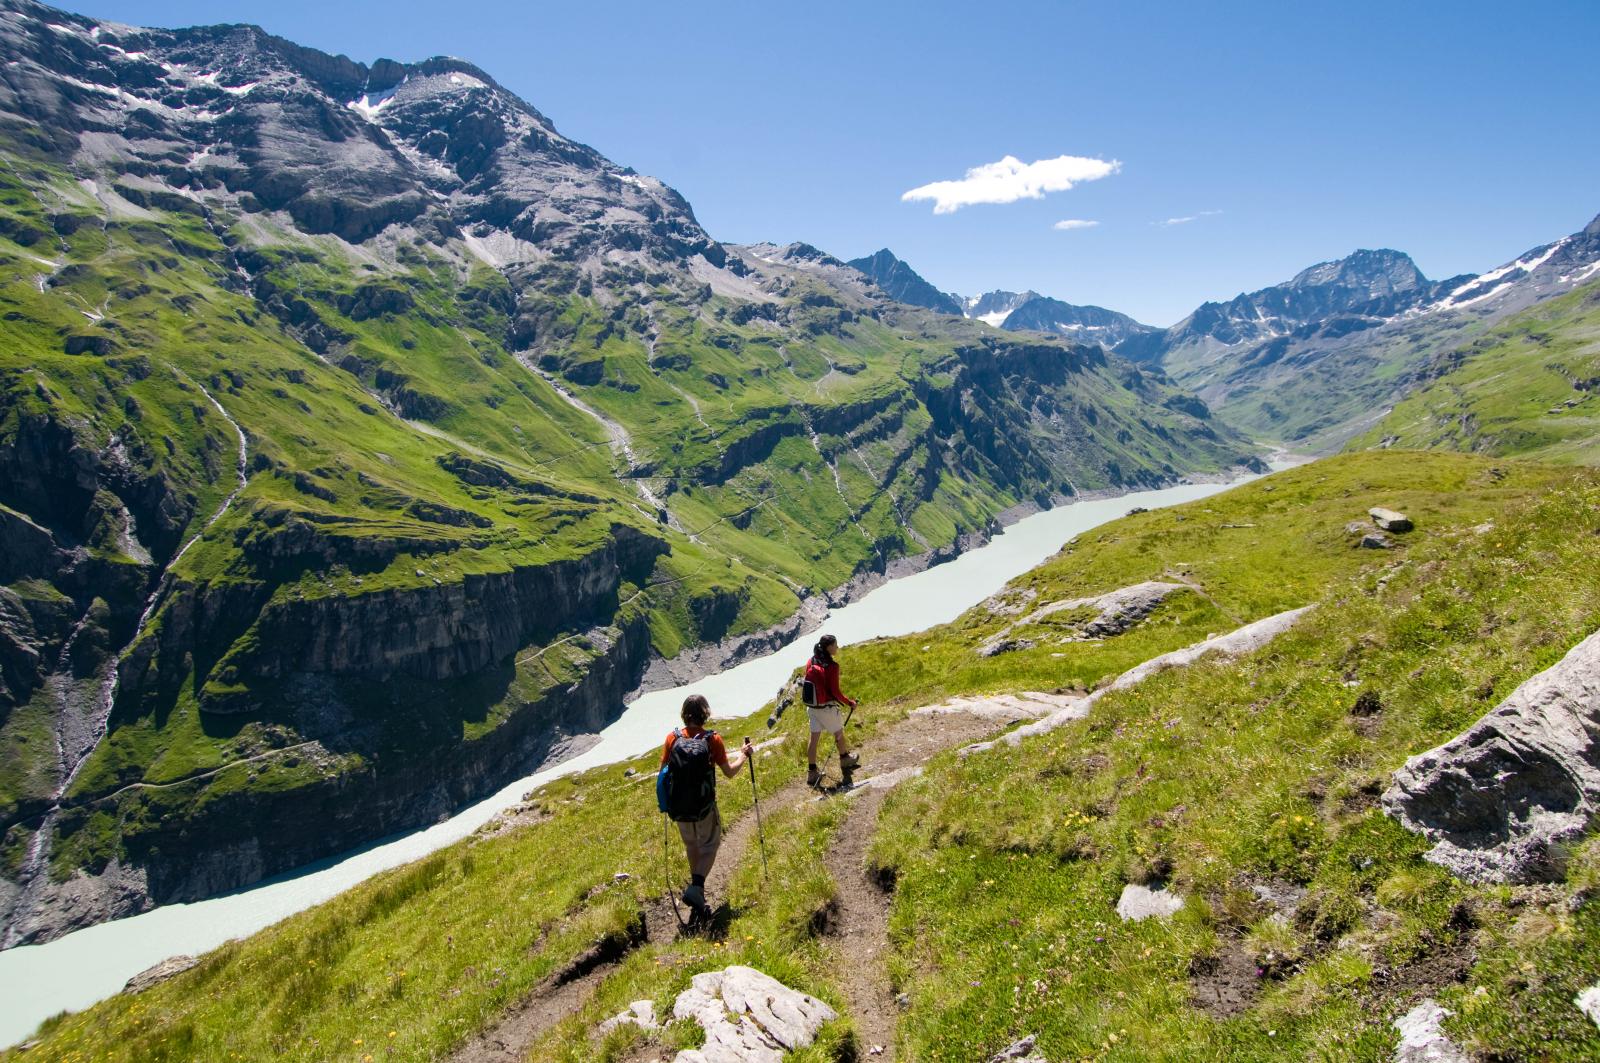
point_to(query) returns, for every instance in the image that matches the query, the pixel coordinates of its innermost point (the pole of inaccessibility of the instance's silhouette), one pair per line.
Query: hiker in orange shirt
(686, 790)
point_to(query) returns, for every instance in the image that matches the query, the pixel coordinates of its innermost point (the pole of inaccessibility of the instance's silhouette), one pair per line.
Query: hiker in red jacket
(823, 699)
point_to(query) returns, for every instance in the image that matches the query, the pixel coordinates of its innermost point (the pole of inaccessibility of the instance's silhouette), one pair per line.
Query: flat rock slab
(1143, 902)
(748, 1017)
(887, 781)
(159, 973)
(1028, 705)
(1499, 800)
(1389, 520)
(1421, 1039)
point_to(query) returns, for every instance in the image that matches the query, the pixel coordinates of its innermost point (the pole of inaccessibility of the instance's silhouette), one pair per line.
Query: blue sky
(1463, 133)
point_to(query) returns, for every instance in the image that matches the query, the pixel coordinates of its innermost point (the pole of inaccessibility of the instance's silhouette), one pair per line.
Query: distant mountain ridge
(1317, 358)
(1321, 357)
(1363, 288)
(1013, 311)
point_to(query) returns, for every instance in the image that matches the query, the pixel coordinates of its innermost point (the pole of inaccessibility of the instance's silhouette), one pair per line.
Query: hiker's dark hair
(820, 650)
(696, 709)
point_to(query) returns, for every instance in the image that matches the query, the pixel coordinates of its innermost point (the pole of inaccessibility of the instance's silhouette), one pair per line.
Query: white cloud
(1067, 224)
(1011, 179)
(1186, 219)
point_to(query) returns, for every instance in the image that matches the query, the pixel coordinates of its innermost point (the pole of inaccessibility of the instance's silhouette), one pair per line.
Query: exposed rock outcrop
(641, 1013)
(1500, 799)
(159, 973)
(1235, 643)
(1588, 1002)
(1422, 1040)
(1019, 1052)
(1144, 902)
(748, 1017)
(1115, 612)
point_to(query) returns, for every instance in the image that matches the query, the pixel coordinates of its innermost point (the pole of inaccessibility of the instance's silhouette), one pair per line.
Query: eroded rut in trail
(858, 927)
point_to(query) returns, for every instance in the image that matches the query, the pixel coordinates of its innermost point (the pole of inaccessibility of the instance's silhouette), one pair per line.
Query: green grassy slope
(1221, 777)
(1226, 778)
(1525, 388)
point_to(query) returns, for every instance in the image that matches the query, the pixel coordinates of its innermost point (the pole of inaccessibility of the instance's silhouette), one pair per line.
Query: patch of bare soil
(1445, 964)
(1225, 983)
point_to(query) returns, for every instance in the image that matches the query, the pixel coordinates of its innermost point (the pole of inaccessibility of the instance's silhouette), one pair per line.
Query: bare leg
(838, 740)
(811, 750)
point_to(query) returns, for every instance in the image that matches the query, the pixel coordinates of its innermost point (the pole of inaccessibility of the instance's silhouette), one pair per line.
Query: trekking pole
(847, 716)
(666, 873)
(755, 795)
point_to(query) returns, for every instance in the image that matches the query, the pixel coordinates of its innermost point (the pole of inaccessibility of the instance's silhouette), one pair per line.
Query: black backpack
(688, 789)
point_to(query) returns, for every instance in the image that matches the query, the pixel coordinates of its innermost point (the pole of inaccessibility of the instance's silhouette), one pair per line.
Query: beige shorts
(825, 718)
(701, 840)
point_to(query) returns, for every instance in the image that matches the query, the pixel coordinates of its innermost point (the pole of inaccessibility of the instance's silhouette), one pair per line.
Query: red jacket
(824, 679)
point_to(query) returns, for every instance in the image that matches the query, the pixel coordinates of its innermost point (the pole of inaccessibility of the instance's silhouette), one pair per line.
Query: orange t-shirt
(719, 752)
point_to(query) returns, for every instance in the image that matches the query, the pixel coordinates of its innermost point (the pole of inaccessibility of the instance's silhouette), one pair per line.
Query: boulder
(995, 647)
(1421, 1039)
(1144, 902)
(1375, 541)
(748, 1017)
(1389, 520)
(1501, 799)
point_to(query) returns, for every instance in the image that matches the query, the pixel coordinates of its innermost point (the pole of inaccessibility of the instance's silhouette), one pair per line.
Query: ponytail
(820, 652)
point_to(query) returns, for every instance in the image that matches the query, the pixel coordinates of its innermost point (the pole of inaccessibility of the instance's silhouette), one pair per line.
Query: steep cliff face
(343, 405)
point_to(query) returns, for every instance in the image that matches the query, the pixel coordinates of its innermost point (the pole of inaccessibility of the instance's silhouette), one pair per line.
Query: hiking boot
(849, 762)
(813, 777)
(695, 897)
(847, 779)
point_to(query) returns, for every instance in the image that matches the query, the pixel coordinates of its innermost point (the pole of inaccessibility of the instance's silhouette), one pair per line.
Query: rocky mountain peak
(341, 146)
(902, 283)
(994, 307)
(1376, 272)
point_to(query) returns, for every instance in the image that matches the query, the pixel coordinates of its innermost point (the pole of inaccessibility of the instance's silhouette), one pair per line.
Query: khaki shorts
(701, 840)
(825, 718)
